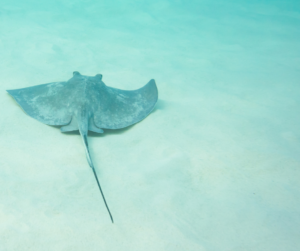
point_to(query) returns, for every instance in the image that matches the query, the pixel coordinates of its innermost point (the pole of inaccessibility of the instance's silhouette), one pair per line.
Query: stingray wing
(47, 103)
(119, 108)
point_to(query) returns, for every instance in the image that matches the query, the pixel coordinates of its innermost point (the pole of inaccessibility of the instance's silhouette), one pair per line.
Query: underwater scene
(186, 112)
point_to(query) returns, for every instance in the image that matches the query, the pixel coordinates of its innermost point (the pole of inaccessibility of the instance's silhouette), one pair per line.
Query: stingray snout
(76, 73)
(99, 76)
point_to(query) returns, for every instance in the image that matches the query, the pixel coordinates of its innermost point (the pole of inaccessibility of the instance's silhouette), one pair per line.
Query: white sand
(215, 167)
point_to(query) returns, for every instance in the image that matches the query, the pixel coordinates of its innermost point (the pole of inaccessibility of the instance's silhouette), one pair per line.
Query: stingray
(85, 103)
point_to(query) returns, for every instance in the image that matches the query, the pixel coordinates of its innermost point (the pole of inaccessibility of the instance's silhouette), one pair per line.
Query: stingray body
(85, 103)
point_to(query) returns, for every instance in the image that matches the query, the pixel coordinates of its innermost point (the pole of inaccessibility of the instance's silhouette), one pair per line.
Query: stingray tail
(88, 156)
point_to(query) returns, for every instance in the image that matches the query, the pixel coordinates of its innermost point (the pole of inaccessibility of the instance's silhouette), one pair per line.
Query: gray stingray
(86, 104)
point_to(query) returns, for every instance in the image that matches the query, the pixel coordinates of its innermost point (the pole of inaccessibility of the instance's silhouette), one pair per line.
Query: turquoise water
(214, 167)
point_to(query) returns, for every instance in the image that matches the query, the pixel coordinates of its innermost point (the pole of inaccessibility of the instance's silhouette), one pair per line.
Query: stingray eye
(99, 76)
(76, 73)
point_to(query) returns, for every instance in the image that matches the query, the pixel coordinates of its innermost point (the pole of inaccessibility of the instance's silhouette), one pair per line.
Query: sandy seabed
(215, 166)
